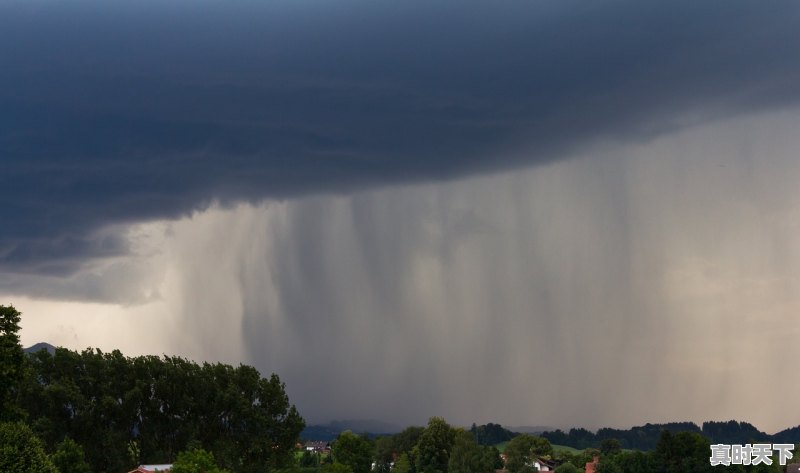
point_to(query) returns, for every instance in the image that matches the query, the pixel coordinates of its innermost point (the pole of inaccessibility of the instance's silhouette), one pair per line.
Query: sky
(561, 213)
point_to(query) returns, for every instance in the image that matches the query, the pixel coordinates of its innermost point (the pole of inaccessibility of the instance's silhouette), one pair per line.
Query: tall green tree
(108, 402)
(402, 465)
(469, 457)
(522, 451)
(610, 446)
(354, 451)
(11, 361)
(196, 461)
(432, 453)
(405, 441)
(566, 468)
(21, 451)
(69, 458)
(384, 453)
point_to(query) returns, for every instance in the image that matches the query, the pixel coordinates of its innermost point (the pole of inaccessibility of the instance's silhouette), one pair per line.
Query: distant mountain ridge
(38, 347)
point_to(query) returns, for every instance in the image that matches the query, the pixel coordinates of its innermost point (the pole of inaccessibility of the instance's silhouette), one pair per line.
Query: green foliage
(610, 447)
(405, 441)
(432, 452)
(196, 461)
(491, 434)
(566, 468)
(469, 457)
(309, 459)
(631, 462)
(147, 409)
(336, 468)
(354, 451)
(69, 458)
(11, 361)
(402, 465)
(491, 455)
(21, 451)
(384, 453)
(523, 449)
(641, 437)
(606, 466)
(683, 452)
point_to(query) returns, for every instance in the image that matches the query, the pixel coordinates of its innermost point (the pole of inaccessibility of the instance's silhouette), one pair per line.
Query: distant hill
(40, 346)
(332, 429)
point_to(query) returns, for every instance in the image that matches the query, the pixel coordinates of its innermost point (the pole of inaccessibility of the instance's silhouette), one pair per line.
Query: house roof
(317, 444)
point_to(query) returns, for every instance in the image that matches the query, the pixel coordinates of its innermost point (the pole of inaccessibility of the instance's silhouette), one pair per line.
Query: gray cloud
(127, 112)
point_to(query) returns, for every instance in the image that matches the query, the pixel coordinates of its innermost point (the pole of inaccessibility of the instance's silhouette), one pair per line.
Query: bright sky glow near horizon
(559, 213)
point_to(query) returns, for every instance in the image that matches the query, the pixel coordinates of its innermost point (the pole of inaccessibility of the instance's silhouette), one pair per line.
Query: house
(152, 468)
(318, 447)
(540, 464)
(591, 467)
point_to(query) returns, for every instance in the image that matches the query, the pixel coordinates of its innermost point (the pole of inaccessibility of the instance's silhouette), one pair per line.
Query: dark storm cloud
(118, 112)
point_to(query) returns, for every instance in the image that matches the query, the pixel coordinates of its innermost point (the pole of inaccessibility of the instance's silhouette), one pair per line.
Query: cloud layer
(115, 113)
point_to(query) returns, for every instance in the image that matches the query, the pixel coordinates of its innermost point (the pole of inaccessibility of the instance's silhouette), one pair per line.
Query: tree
(69, 458)
(402, 465)
(405, 441)
(608, 466)
(610, 446)
(151, 408)
(354, 451)
(336, 468)
(11, 361)
(682, 452)
(491, 456)
(432, 452)
(566, 468)
(21, 451)
(309, 459)
(469, 457)
(196, 461)
(522, 450)
(384, 453)
(490, 434)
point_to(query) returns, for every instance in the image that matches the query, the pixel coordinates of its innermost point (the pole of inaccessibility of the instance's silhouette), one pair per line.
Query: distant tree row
(647, 437)
(491, 434)
(436, 448)
(680, 452)
(118, 412)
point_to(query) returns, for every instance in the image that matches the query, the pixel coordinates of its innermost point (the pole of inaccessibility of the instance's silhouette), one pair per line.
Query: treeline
(646, 437)
(123, 411)
(674, 453)
(491, 434)
(435, 448)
